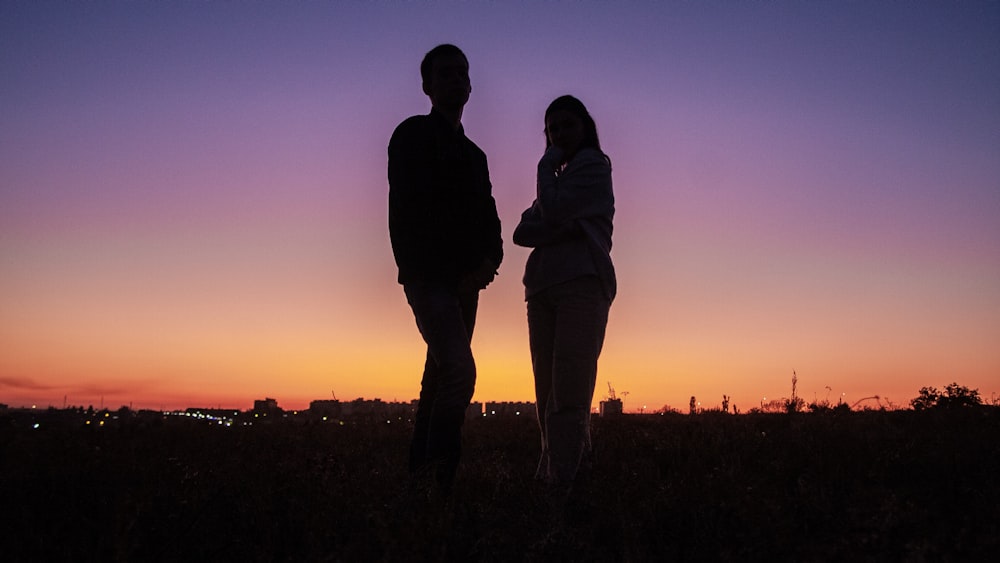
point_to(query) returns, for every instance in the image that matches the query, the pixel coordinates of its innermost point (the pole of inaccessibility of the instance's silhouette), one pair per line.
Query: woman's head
(569, 126)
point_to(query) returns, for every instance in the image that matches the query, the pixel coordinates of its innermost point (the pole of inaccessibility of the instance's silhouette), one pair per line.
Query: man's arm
(408, 188)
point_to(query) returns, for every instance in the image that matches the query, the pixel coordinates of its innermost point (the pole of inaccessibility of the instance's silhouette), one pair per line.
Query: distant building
(375, 409)
(219, 413)
(510, 408)
(266, 406)
(213, 416)
(326, 407)
(611, 407)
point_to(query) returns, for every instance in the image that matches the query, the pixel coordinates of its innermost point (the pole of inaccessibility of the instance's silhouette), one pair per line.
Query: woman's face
(564, 130)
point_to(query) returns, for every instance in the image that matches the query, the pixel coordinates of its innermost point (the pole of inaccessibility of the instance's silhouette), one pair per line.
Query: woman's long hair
(576, 107)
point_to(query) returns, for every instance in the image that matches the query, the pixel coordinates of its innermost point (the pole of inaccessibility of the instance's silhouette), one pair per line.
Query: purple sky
(192, 195)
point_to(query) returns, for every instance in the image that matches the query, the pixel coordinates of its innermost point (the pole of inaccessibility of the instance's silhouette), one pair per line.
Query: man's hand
(479, 278)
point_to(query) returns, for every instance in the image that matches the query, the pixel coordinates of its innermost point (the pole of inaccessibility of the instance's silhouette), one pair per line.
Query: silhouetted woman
(569, 284)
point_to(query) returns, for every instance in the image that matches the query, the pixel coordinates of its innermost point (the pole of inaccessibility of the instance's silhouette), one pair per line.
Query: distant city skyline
(724, 404)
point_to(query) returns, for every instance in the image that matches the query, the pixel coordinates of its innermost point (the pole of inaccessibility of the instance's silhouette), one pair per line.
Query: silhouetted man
(445, 236)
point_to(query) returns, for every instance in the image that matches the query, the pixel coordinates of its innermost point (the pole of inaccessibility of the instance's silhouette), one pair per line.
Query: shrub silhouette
(954, 395)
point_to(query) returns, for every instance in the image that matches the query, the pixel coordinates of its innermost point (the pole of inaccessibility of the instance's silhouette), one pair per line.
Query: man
(445, 236)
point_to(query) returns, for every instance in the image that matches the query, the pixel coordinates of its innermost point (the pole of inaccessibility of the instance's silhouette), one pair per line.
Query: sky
(193, 196)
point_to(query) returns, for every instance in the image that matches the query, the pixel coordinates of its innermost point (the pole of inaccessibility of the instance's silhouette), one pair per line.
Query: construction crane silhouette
(612, 396)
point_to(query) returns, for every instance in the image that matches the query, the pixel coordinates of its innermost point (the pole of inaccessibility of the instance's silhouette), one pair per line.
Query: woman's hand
(553, 158)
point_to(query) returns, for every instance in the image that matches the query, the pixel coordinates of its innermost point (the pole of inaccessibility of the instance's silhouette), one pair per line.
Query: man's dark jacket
(442, 216)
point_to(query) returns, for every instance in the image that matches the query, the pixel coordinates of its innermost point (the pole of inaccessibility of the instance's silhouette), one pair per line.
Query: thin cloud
(23, 383)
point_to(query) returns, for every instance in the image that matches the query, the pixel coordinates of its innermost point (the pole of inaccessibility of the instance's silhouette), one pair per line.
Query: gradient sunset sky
(193, 195)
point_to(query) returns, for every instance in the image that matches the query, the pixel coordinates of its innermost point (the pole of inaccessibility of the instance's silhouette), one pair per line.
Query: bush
(954, 395)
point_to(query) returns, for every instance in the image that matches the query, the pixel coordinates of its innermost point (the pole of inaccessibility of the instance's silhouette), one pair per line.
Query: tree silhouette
(954, 395)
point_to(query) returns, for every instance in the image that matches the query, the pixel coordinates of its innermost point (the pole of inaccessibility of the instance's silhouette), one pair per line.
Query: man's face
(449, 84)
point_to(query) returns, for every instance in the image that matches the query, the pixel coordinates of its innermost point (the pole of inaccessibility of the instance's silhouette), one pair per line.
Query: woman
(569, 284)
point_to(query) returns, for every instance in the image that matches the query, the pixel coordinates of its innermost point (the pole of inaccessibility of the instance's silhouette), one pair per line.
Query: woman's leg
(580, 320)
(541, 333)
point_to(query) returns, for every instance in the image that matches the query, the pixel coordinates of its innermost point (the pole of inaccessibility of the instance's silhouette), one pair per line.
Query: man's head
(445, 75)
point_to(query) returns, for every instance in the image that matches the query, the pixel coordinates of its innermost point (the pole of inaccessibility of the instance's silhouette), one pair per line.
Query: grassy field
(844, 486)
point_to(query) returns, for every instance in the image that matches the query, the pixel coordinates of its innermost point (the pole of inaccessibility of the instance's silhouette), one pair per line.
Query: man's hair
(443, 50)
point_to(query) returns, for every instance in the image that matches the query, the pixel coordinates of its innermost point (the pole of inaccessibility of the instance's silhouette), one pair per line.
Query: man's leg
(421, 421)
(445, 321)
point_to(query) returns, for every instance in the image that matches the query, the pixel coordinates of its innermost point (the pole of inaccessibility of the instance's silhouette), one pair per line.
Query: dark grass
(854, 486)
